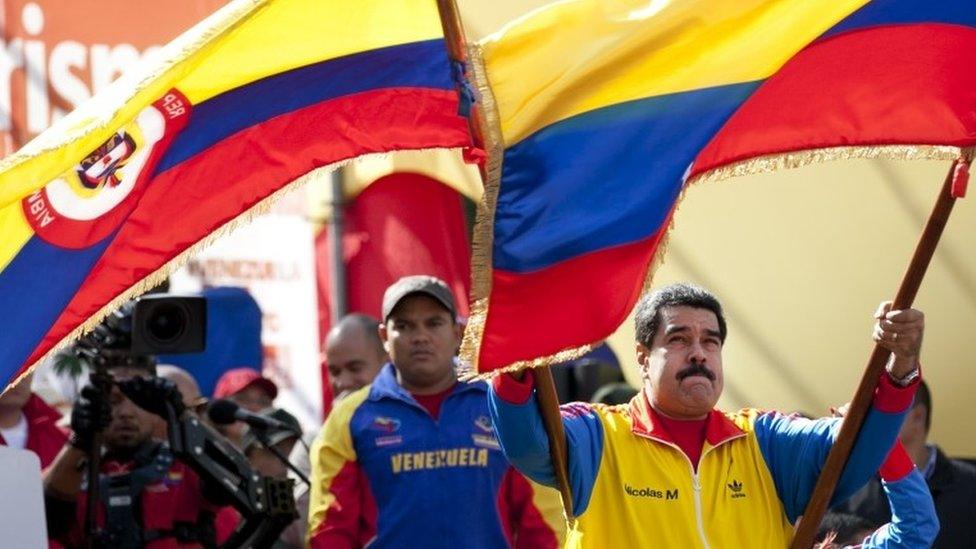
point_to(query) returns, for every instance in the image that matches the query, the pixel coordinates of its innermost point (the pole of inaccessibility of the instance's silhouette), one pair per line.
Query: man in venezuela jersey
(412, 460)
(670, 469)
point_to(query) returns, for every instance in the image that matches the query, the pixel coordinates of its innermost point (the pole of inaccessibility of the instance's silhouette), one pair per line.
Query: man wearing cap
(412, 460)
(250, 390)
(264, 460)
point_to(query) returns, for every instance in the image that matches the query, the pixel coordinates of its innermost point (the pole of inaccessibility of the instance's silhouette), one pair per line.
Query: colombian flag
(604, 111)
(242, 107)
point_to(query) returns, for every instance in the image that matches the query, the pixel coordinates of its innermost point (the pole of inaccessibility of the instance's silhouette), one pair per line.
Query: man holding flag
(669, 467)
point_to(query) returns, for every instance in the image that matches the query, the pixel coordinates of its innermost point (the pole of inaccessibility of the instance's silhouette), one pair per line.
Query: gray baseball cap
(274, 435)
(418, 284)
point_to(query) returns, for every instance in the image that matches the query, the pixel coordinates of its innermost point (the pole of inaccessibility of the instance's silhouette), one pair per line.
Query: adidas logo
(736, 488)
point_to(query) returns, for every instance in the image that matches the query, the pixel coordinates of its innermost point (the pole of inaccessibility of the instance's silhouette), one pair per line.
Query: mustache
(695, 369)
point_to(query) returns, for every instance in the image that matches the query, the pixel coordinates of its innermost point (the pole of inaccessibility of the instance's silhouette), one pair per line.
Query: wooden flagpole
(837, 458)
(545, 386)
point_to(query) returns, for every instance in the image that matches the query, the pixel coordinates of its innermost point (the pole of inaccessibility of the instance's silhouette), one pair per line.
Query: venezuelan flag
(605, 109)
(242, 107)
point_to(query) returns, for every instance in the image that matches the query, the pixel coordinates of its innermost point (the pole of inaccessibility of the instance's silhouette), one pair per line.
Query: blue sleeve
(795, 449)
(523, 439)
(913, 519)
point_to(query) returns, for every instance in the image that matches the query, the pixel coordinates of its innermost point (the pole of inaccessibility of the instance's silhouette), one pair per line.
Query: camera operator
(146, 497)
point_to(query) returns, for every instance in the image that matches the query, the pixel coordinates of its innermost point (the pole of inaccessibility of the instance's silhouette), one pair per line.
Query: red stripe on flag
(580, 300)
(190, 201)
(912, 84)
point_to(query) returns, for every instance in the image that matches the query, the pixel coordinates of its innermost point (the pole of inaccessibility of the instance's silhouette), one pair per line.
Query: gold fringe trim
(176, 59)
(483, 237)
(663, 245)
(160, 274)
(797, 159)
(562, 356)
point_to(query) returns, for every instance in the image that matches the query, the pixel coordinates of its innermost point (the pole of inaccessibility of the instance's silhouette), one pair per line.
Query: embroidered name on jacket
(650, 492)
(436, 459)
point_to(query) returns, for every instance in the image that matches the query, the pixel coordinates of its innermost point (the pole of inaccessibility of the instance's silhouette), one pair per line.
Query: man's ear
(383, 337)
(643, 355)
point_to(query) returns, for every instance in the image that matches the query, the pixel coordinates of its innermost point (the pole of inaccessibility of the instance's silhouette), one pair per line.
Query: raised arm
(796, 448)
(520, 431)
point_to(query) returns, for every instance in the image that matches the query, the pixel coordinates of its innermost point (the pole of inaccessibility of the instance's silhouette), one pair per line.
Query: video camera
(150, 325)
(169, 324)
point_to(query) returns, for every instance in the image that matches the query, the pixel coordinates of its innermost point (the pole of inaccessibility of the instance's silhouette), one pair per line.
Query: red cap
(238, 379)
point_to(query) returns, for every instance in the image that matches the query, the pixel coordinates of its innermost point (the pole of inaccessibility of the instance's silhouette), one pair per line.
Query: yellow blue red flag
(605, 110)
(112, 198)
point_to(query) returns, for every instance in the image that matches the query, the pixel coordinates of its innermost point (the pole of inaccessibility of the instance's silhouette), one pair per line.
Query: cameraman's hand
(152, 394)
(91, 414)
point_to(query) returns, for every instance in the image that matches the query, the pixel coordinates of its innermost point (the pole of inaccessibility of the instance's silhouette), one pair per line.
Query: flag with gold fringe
(600, 113)
(247, 104)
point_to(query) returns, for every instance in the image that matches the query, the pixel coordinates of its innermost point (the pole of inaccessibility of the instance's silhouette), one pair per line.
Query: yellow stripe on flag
(16, 232)
(245, 41)
(294, 33)
(73, 137)
(575, 56)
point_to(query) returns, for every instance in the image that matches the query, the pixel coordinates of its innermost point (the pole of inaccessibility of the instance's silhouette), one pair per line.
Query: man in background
(265, 462)
(951, 481)
(354, 353)
(248, 389)
(189, 390)
(186, 384)
(28, 423)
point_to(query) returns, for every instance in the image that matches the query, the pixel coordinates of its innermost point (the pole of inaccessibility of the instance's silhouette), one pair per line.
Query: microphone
(225, 412)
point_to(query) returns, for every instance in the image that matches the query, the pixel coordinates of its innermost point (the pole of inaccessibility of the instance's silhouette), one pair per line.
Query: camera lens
(167, 323)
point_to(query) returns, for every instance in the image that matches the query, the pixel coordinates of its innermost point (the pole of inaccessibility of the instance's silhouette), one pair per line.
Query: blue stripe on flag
(602, 178)
(903, 12)
(35, 288)
(418, 64)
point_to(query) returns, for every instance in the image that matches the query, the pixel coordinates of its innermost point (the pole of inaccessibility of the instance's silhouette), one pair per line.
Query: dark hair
(923, 397)
(846, 526)
(648, 315)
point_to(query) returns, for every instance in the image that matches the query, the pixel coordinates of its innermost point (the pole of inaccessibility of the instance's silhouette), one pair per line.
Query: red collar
(647, 423)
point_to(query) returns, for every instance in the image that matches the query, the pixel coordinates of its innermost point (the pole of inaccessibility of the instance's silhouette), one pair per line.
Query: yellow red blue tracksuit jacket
(632, 485)
(387, 474)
